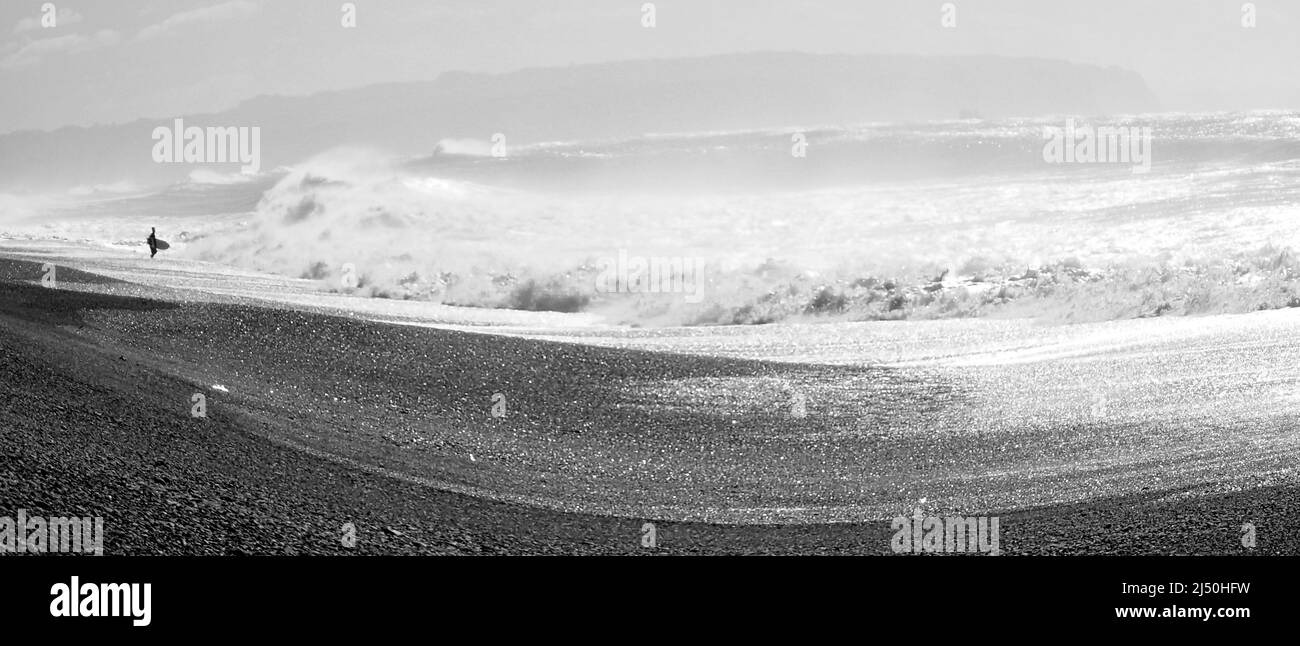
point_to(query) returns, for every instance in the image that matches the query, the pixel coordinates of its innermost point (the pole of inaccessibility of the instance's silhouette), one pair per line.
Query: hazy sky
(119, 60)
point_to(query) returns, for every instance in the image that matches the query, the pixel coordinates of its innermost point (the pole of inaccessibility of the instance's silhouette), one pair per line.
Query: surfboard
(161, 244)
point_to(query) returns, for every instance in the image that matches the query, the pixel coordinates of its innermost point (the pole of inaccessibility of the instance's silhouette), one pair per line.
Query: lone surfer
(153, 242)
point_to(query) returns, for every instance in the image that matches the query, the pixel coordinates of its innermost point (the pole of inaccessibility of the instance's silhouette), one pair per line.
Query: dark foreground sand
(331, 420)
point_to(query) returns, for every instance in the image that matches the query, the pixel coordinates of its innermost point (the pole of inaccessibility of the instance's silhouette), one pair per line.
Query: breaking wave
(1209, 229)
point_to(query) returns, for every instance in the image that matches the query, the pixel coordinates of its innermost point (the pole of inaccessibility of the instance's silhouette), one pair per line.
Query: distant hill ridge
(595, 101)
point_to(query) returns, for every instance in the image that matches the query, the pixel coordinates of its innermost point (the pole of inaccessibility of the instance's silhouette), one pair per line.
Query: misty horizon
(467, 74)
(101, 43)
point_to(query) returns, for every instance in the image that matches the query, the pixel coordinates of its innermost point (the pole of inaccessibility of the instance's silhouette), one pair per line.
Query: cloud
(33, 51)
(65, 16)
(216, 13)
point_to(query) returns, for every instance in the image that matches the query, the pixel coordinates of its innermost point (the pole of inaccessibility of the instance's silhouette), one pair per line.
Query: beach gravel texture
(314, 421)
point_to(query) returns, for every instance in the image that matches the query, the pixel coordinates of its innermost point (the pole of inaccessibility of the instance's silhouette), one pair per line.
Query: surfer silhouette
(153, 242)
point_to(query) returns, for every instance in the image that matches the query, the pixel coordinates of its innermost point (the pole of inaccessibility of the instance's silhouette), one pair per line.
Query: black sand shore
(325, 420)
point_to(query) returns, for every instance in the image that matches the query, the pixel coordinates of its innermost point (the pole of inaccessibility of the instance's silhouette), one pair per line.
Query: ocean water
(942, 219)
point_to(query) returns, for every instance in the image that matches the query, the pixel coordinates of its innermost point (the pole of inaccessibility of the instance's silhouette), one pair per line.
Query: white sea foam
(773, 233)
